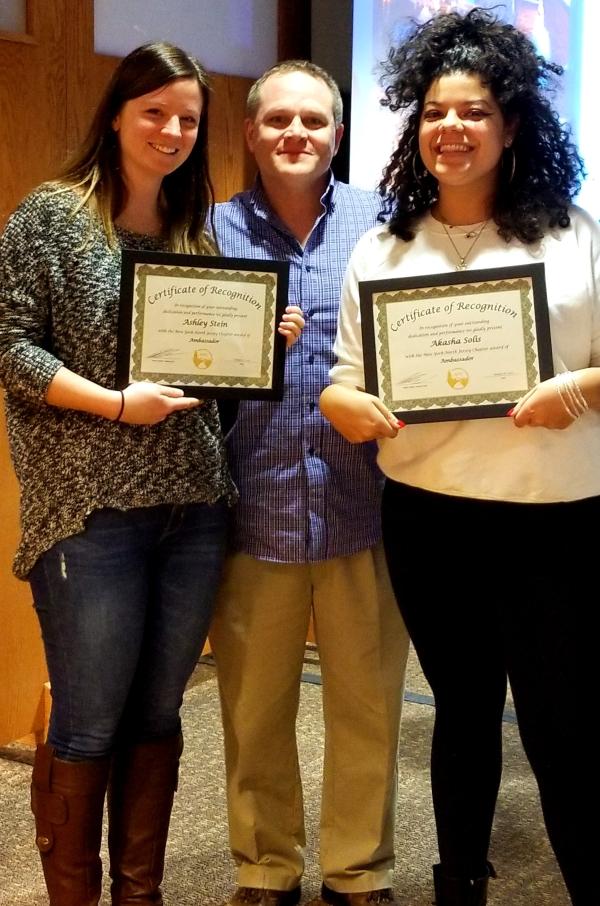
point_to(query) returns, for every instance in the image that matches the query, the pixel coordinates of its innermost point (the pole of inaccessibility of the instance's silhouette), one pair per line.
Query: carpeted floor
(199, 870)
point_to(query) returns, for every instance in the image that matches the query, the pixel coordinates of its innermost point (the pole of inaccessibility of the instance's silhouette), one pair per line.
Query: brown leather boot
(67, 799)
(140, 798)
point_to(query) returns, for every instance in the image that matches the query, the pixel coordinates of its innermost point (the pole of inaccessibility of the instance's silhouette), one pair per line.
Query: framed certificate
(202, 323)
(460, 345)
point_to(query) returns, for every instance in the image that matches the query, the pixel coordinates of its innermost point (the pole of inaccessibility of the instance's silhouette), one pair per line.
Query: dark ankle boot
(140, 798)
(67, 799)
(451, 891)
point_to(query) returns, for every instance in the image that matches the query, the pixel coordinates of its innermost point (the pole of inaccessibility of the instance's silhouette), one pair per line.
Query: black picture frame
(214, 296)
(437, 303)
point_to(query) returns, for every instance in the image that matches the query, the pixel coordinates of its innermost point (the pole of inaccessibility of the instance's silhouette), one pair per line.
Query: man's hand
(291, 324)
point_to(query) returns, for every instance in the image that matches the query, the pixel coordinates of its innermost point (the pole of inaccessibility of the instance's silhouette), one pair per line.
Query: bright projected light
(564, 31)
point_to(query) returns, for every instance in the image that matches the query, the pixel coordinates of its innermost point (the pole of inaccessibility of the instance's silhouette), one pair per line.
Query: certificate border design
(138, 265)
(375, 295)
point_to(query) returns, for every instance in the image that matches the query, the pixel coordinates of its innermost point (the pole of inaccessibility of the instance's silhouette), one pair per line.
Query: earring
(513, 161)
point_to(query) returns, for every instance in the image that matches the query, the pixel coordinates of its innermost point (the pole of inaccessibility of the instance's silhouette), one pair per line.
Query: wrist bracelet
(122, 409)
(571, 395)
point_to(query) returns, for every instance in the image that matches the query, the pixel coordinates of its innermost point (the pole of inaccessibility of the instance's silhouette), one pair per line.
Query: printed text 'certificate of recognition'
(206, 324)
(457, 345)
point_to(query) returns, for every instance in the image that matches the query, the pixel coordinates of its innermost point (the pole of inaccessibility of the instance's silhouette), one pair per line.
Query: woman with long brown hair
(124, 493)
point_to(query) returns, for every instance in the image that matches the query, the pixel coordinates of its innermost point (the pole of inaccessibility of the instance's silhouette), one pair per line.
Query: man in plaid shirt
(306, 538)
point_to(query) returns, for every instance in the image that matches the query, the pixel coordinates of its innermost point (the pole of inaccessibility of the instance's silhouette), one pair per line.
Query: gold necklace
(462, 259)
(466, 234)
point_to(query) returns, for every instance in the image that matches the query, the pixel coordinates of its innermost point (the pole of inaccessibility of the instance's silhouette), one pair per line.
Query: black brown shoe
(264, 896)
(363, 898)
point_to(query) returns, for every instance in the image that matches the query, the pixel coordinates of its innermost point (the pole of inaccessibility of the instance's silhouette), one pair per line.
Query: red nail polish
(511, 411)
(400, 423)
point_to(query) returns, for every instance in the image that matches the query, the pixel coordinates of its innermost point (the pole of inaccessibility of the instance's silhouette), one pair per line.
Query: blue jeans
(124, 609)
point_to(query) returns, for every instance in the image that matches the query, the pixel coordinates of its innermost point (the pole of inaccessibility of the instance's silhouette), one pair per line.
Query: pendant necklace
(471, 234)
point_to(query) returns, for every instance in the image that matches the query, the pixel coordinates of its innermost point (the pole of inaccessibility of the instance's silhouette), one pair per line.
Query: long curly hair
(547, 167)
(187, 195)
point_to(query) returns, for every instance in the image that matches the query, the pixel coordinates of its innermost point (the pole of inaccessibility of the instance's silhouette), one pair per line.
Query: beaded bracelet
(122, 409)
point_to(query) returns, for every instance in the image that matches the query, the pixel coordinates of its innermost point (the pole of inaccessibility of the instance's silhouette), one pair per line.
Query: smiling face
(157, 131)
(462, 134)
(293, 136)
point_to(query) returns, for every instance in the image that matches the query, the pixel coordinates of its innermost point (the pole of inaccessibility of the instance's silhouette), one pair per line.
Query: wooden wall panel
(22, 667)
(82, 88)
(231, 165)
(32, 103)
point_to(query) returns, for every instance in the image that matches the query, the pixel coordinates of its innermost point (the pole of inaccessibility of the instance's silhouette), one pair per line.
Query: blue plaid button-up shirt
(306, 494)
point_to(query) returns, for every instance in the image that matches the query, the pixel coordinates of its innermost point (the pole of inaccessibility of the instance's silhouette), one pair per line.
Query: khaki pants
(258, 638)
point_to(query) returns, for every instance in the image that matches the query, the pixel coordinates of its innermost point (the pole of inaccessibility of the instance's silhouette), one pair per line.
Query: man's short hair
(311, 69)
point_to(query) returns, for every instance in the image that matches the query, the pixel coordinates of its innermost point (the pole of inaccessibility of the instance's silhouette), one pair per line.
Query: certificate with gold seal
(459, 345)
(205, 324)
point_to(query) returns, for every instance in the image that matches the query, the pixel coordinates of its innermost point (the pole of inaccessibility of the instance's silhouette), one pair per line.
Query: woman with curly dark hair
(483, 177)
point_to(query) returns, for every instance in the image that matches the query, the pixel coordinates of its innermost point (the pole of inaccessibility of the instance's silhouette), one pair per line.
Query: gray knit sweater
(59, 306)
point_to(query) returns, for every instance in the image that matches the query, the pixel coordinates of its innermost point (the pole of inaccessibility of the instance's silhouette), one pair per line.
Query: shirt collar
(260, 203)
